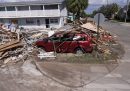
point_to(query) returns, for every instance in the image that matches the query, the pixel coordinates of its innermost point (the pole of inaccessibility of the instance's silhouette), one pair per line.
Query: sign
(99, 18)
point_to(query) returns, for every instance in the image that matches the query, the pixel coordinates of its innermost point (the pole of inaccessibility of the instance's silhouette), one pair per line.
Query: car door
(55, 42)
(65, 43)
(64, 46)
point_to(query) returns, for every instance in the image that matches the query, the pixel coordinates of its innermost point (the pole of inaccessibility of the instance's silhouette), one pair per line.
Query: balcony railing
(31, 13)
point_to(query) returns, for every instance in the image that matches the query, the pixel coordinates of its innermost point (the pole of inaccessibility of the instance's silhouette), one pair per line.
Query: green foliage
(108, 10)
(121, 15)
(128, 10)
(94, 13)
(77, 7)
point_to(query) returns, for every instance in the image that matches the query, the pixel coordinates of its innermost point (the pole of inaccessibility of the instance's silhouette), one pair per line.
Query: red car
(66, 43)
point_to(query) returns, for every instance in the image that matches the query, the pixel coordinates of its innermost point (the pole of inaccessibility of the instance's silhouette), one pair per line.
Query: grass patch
(116, 52)
(86, 58)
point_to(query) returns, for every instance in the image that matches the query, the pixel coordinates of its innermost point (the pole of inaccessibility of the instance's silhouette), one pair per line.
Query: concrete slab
(100, 69)
(113, 75)
(74, 75)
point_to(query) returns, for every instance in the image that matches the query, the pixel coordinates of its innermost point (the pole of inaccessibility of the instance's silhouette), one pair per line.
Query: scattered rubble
(42, 55)
(16, 45)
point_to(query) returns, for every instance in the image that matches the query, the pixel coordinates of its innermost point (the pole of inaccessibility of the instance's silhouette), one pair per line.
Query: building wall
(63, 10)
(42, 24)
(36, 19)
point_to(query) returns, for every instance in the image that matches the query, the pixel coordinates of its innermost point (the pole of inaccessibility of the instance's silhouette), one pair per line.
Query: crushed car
(66, 43)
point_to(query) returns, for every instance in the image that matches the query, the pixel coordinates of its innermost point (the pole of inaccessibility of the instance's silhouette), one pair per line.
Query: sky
(90, 1)
(93, 4)
(109, 1)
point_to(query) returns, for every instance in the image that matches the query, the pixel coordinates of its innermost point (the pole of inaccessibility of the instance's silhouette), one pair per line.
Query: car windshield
(55, 39)
(62, 38)
(67, 38)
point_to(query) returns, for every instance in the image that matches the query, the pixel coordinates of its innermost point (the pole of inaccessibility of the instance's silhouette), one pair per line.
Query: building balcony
(31, 13)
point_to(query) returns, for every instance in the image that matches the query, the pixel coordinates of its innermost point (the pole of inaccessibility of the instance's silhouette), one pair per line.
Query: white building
(38, 14)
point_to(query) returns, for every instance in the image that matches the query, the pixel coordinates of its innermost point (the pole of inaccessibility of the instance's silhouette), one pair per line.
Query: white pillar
(60, 21)
(6, 11)
(29, 10)
(58, 6)
(16, 10)
(43, 7)
(5, 8)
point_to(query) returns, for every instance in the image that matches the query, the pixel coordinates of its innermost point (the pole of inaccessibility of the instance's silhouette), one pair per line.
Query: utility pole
(107, 2)
(106, 8)
(127, 6)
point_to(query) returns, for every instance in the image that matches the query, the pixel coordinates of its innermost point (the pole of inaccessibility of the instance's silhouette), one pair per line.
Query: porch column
(58, 6)
(6, 11)
(43, 7)
(16, 10)
(29, 10)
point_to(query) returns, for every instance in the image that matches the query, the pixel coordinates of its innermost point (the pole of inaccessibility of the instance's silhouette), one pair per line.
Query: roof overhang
(38, 2)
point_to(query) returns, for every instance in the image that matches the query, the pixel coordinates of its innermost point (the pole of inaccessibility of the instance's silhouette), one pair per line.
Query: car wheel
(79, 51)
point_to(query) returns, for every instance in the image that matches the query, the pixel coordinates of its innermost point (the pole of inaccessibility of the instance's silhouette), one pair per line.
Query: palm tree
(77, 7)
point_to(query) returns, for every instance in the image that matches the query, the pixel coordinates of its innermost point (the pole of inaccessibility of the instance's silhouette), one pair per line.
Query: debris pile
(11, 45)
(16, 45)
(102, 40)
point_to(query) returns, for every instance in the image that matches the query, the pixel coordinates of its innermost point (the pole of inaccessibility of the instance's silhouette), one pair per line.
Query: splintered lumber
(2, 55)
(7, 60)
(37, 35)
(91, 27)
(10, 45)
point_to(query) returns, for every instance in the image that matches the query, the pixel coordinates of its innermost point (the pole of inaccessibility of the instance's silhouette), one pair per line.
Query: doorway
(47, 23)
(14, 21)
(38, 22)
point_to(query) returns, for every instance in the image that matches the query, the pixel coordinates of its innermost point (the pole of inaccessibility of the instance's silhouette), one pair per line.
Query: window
(53, 20)
(36, 7)
(55, 39)
(1, 21)
(47, 7)
(29, 21)
(11, 8)
(22, 8)
(2, 8)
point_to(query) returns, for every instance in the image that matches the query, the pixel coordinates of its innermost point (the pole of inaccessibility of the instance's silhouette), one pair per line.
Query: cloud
(90, 1)
(109, 1)
(97, 2)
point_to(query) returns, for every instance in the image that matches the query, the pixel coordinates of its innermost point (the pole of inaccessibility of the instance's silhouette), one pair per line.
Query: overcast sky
(109, 1)
(90, 1)
(95, 4)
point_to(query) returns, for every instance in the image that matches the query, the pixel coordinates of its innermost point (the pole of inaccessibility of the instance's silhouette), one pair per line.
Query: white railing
(32, 13)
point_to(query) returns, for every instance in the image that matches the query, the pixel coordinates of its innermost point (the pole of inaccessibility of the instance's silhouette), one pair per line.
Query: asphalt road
(122, 31)
(118, 79)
